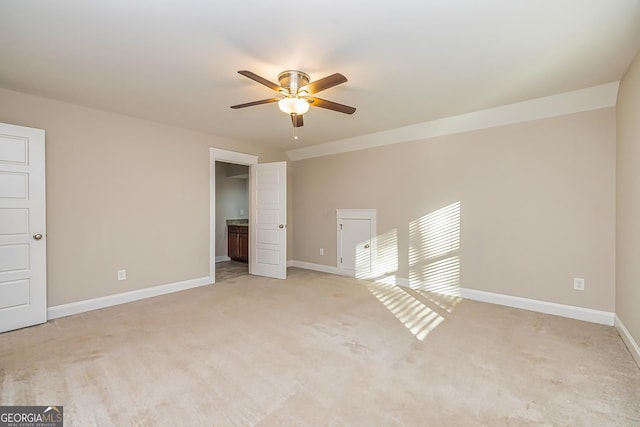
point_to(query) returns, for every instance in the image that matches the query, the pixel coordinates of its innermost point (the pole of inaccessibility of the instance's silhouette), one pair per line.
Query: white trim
(217, 154)
(403, 282)
(313, 267)
(570, 311)
(222, 258)
(628, 340)
(110, 300)
(356, 213)
(233, 157)
(592, 98)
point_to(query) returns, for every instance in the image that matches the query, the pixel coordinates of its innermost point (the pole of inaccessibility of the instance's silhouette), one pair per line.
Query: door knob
(37, 236)
(281, 226)
(366, 246)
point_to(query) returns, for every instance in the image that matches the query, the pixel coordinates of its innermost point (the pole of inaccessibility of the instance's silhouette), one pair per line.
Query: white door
(23, 286)
(268, 227)
(354, 251)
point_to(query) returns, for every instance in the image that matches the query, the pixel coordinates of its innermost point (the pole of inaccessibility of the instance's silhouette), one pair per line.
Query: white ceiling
(407, 61)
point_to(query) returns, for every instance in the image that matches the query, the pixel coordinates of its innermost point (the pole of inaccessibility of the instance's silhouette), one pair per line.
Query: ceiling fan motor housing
(293, 80)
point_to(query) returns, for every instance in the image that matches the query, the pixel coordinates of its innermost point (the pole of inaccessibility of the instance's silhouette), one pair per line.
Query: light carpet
(319, 349)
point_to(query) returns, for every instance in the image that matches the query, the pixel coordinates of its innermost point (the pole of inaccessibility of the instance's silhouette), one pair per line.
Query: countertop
(238, 222)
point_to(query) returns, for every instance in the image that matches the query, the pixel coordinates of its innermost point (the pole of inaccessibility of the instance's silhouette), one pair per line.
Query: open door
(23, 269)
(268, 220)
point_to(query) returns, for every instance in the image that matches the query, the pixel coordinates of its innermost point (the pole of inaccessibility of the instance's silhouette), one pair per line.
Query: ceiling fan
(296, 93)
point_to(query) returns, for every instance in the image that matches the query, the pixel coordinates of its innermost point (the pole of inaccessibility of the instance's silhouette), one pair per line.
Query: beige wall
(122, 193)
(537, 205)
(628, 201)
(537, 200)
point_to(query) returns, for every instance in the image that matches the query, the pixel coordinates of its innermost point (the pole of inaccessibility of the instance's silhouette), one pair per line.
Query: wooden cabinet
(238, 242)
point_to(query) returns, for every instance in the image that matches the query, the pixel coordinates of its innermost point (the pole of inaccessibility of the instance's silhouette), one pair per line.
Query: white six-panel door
(268, 228)
(23, 287)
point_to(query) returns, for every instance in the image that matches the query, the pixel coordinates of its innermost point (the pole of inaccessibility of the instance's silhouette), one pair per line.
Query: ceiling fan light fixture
(295, 90)
(291, 105)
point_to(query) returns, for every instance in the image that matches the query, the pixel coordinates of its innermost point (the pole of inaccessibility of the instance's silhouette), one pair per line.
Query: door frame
(220, 155)
(369, 214)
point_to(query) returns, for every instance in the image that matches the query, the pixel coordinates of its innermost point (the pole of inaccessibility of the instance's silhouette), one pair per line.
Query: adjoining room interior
(232, 209)
(450, 190)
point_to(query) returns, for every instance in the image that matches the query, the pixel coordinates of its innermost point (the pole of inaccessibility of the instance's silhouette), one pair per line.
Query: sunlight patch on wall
(383, 253)
(435, 234)
(442, 276)
(434, 240)
(363, 262)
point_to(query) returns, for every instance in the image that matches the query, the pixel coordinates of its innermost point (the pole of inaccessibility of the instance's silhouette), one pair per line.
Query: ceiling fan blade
(251, 104)
(325, 83)
(297, 121)
(261, 80)
(330, 105)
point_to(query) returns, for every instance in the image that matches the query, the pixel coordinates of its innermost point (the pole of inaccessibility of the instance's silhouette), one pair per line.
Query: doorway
(232, 220)
(216, 156)
(267, 214)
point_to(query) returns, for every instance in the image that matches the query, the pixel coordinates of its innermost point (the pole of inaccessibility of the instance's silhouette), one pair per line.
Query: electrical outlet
(322, 251)
(122, 274)
(578, 284)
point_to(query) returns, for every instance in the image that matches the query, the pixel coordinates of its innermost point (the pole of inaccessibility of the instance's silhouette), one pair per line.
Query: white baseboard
(110, 300)
(405, 283)
(314, 267)
(570, 311)
(631, 344)
(222, 258)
